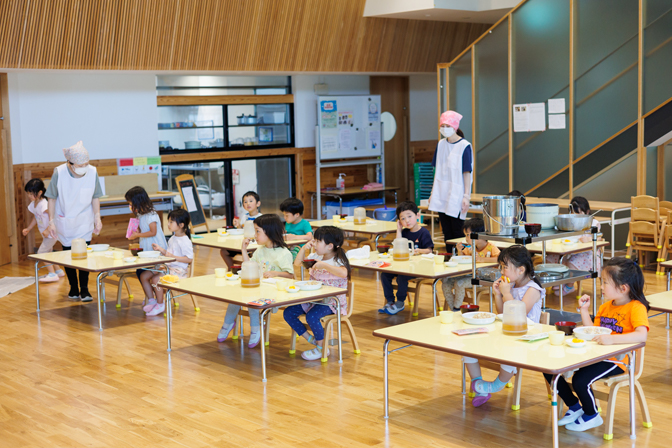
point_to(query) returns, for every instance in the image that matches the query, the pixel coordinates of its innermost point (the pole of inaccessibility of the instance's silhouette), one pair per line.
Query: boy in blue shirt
(407, 227)
(296, 227)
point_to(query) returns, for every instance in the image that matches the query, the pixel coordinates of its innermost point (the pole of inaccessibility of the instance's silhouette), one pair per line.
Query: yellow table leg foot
(410, 304)
(608, 436)
(130, 297)
(415, 314)
(324, 360)
(357, 352)
(177, 304)
(515, 407)
(471, 394)
(234, 337)
(648, 424)
(197, 309)
(440, 308)
(118, 305)
(267, 344)
(291, 352)
(509, 385)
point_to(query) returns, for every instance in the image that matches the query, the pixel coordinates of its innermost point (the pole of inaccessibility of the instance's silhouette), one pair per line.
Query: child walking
(333, 269)
(407, 227)
(625, 314)
(38, 207)
(251, 204)
(180, 248)
(516, 265)
(486, 252)
(275, 260)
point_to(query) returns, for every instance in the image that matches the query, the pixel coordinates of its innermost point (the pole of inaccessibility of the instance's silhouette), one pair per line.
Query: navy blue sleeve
(434, 158)
(425, 239)
(466, 160)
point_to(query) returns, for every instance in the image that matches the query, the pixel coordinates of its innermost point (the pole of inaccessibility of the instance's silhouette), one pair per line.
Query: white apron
(448, 188)
(74, 212)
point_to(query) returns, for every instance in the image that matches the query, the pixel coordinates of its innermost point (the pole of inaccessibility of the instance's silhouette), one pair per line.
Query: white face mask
(80, 171)
(447, 132)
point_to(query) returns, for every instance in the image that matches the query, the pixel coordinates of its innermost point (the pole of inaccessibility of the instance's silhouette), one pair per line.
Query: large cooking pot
(543, 214)
(502, 214)
(574, 222)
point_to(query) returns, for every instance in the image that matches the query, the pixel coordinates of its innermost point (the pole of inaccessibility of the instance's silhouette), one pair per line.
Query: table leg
(434, 294)
(37, 285)
(340, 337)
(491, 301)
(340, 206)
(667, 317)
(631, 371)
(613, 232)
(473, 272)
(543, 251)
(554, 408)
(595, 270)
(262, 318)
(99, 289)
(169, 315)
(560, 289)
(385, 373)
(378, 237)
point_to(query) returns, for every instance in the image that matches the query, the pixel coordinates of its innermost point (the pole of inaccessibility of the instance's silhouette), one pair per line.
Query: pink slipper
(479, 400)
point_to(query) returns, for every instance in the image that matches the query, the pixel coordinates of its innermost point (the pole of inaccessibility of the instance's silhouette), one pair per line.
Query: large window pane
(541, 72)
(460, 92)
(442, 89)
(492, 107)
(657, 53)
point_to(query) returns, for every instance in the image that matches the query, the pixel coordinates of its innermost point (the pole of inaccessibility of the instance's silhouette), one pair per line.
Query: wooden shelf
(223, 100)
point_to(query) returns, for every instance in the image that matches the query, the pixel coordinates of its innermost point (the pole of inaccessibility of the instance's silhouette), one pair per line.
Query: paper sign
(345, 119)
(137, 161)
(373, 113)
(556, 121)
(329, 115)
(374, 138)
(556, 106)
(530, 117)
(188, 193)
(153, 160)
(344, 139)
(126, 162)
(329, 143)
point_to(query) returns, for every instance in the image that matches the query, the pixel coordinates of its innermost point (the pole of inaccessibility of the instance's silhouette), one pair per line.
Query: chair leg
(351, 330)
(268, 329)
(193, 300)
(642, 404)
(517, 385)
(292, 343)
(325, 342)
(549, 391)
(609, 417)
(128, 289)
(119, 290)
(416, 305)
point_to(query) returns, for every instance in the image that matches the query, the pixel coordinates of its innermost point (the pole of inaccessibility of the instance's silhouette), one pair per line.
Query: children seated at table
(180, 248)
(454, 289)
(520, 284)
(38, 207)
(296, 227)
(625, 314)
(274, 259)
(251, 204)
(332, 268)
(583, 261)
(407, 227)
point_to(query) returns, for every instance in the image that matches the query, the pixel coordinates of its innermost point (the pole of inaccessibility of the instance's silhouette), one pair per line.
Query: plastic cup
(336, 218)
(556, 337)
(118, 255)
(281, 285)
(446, 317)
(438, 259)
(220, 272)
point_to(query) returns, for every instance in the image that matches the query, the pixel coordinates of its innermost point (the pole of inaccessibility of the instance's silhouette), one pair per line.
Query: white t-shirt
(180, 246)
(41, 214)
(247, 216)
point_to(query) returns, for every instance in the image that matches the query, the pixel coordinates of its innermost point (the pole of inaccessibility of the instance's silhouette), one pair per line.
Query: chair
(614, 383)
(239, 323)
(329, 321)
(416, 290)
(518, 377)
(645, 234)
(667, 247)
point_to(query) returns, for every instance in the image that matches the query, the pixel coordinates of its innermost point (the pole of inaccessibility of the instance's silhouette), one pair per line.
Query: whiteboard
(348, 127)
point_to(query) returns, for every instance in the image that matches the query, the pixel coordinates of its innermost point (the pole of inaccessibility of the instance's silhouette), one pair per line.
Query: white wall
(424, 114)
(305, 100)
(114, 114)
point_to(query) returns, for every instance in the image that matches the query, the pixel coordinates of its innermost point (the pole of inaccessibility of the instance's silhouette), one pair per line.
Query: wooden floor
(65, 384)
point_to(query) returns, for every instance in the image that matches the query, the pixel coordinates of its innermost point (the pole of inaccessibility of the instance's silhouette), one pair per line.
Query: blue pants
(313, 317)
(402, 286)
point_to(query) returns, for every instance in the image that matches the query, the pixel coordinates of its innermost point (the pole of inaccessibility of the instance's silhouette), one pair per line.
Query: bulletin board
(190, 200)
(140, 165)
(348, 127)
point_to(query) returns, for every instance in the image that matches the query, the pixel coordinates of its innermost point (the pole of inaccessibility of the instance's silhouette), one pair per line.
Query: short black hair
(253, 194)
(292, 205)
(407, 206)
(580, 204)
(181, 216)
(476, 225)
(35, 186)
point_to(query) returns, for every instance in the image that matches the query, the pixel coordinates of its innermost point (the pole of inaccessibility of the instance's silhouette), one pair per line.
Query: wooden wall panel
(251, 35)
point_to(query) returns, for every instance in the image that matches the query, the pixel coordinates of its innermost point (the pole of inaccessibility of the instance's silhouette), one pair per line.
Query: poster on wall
(344, 139)
(530, 117)
(329, 114)
(374, 138)
(345, 119)
(140, 165)
(329, 143)
(374, 116)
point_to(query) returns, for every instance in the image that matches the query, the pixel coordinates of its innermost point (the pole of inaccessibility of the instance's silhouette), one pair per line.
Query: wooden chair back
(639, 367)
(644, 201)
(645, 214)
(644, 235)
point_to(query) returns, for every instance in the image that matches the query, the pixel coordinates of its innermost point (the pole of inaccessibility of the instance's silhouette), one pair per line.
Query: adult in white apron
(74, 209)
(451, 191)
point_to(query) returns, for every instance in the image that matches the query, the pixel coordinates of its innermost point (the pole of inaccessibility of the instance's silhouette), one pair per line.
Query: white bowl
(350, 218)
(291, 290)
(383, 256)
(499, 317)
(468, 318)
(99, 247)
(580, 332)
(575, 344)
(149, 254)
(451, 264)
(130, 259)
(235, 231)
(461, 259)
(304, 286)
(233, 277)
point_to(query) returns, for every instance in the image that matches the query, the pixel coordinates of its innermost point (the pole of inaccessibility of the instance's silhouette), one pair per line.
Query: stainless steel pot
(502, 214)
(574, 222)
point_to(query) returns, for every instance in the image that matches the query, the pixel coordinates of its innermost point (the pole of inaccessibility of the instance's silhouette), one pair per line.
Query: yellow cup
(118, 255)
(556, 337)
(438, 259)
(281, 284)
(220, 272)
(446, 317)
(336, 218)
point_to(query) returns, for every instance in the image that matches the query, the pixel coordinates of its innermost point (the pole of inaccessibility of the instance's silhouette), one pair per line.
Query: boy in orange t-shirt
(625, 314)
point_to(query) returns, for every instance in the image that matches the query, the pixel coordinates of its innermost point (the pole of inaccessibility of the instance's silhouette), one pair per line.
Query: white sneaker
(314, 354)
(150, 304)
(159, 308)
(580, 425)
(570, 417)
(60, 273)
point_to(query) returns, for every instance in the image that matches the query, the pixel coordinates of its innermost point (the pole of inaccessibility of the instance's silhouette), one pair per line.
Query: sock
(486, 387)
(587, 418)
(576, 407)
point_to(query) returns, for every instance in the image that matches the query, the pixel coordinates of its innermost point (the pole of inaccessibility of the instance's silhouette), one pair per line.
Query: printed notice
(329, 143)
(329, 114)
(188, 193)
(521, 119)
(530, 117)
(345, 119)
(344, 139)
(556, 121)
(556, 106)
(374, 138)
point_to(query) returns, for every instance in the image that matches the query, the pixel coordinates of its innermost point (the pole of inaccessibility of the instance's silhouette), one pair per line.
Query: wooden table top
(98, 261)
(551, 248)
(104, 200)
(494, 346)
(232, 243)
(661, 301)
(419, 267)
(229, 291)
(667, 264)
(372, 226)
(351, 191)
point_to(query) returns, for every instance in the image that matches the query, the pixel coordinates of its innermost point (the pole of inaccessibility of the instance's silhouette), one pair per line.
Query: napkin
(357, 254)
(428, 256)
(271, 281)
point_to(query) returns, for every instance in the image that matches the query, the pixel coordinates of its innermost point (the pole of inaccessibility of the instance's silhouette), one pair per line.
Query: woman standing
(452, 179)
(74, 209)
